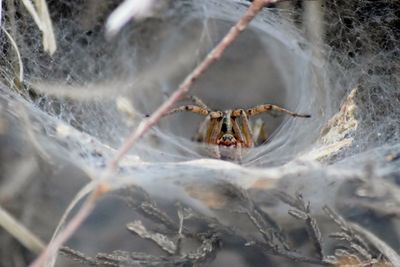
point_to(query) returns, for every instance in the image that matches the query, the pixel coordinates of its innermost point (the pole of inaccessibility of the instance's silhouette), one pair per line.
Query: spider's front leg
(269, 107)
(188, 108)
(197, 101)
(245, 129)
(212, 133)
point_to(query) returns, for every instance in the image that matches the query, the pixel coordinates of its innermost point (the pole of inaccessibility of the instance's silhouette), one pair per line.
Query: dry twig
(384, 248)
(363, 248)
(22, 234)
(71, 227)
(16, 49)
(303, 212)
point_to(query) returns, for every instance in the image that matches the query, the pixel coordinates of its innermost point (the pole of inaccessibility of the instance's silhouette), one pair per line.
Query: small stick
(71, 227)
(382, 246)
(28, 239)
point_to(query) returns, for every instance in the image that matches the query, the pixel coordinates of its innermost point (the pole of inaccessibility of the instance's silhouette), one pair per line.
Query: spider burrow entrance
(231, 128)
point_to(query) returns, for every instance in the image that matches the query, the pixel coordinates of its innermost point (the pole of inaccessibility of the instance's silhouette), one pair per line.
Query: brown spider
(230, 129)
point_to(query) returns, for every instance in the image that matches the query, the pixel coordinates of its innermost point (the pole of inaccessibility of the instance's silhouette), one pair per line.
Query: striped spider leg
(210, 128)
(230, 131)
(257, 134)
(260, 135)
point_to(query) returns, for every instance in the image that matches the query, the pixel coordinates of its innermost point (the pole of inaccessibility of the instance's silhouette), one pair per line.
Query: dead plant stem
(71, 227)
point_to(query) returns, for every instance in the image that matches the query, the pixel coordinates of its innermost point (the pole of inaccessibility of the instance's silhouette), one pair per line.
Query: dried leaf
(161, 240)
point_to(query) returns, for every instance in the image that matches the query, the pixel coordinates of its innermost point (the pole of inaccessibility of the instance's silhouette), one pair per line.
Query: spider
(230, 130)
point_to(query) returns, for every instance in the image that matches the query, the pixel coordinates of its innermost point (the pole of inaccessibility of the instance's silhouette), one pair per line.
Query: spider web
(93, 92)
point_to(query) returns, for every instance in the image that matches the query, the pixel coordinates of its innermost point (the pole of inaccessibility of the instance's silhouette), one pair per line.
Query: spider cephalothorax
(230, 130)
(227, 135)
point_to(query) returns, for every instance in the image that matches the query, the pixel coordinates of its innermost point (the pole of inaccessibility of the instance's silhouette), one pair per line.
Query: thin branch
(139, 200)
(42, 19)
(77, 256)
(20, 232)
(71, 227)
(287, 254)
(48, 39)
(303, 212)
(126, 11)
(384, 248)
(15, 46)
(205, 252)
(32, 11)
(162, 241)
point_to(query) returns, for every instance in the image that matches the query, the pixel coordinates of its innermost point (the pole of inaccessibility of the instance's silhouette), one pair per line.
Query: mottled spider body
(230, 130)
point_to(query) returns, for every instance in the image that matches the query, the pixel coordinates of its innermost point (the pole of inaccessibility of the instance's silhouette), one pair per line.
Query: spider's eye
(228, 137)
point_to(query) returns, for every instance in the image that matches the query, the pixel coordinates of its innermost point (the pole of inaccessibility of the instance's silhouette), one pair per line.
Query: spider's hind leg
(189, 108)
(197, 101)
(260, 135)
(201, 133)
